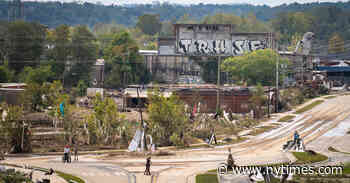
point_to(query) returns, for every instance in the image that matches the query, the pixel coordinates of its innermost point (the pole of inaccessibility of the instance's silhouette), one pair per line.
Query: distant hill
(53, 14)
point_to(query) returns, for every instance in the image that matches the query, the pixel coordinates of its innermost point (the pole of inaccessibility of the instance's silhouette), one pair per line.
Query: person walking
(148, 166)
(230, 161)
(66, 154)
(76, 153)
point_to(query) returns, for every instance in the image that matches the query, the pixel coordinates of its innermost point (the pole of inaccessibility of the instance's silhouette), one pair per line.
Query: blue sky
(255, 2)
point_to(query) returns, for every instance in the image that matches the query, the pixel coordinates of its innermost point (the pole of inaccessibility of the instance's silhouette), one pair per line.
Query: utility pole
(22, 143)
(218, 86)
(277, 77)
(268, 102)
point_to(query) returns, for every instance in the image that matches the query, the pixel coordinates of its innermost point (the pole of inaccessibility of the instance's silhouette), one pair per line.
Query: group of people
(67, 154)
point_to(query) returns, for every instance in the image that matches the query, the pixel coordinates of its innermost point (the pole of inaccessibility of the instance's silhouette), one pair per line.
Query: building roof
(13, 85)
(100, 62)
(333, 69)
(132, 93)
(148, 52)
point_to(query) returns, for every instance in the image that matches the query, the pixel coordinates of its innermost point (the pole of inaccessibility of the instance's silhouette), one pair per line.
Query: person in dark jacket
(230, 161)
(76, 153)
(148, 166)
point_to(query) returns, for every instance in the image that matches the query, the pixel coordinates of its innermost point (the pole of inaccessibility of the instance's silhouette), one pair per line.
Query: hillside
(53, 14)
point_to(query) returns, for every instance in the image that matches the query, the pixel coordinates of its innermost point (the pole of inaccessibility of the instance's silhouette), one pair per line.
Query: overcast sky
(255, 2)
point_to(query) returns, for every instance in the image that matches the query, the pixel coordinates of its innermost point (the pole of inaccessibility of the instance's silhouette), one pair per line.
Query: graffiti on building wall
(215, 47)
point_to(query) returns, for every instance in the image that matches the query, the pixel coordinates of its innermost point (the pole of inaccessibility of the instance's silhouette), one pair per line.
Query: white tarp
(135, 141)
(91, 92)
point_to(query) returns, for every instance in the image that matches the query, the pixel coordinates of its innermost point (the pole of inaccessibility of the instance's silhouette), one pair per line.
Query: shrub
(202, 134)
(176, 140)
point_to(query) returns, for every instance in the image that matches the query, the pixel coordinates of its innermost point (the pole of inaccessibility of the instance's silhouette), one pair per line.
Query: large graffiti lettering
(215, 47)
(241, 46)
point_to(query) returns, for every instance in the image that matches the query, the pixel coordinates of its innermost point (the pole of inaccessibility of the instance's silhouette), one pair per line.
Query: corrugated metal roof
(132, 93)
(12, 85)
(334, 69)
(148, 52)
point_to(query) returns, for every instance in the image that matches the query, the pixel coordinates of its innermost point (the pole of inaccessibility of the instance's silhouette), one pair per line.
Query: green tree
(4, 43)
(124, 64)
(26, 43)
(104, 122)
(60, 42)
(291, 23)
(71, 123)
(6, 75)
(84, 53)
(167, 122)
(167, 29)
(258, 100)
(32, 97)
(37, 75)
(186, 19)
(149, 24)
(336, 44)
(16, 131)
(255, 67)
(82, 86)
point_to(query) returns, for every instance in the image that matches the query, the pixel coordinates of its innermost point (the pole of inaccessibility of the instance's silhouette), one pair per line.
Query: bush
(13, 177)
(291, 97)
(202, 134)
(176, 140)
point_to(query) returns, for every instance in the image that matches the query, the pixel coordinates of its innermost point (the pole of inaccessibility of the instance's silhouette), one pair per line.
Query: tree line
(68, 53)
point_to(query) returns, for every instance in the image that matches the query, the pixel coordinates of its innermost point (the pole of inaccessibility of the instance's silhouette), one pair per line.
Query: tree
(167, 29)
(294, 41)
(15, 129)
(105, 121)
(186, 19)
(71, 123)
(149, 24)
(291, 23)
(60, 41)
(81, 87)
(124, 64)
(254, 67)
(6, 75)
(258, 100)
(84, 53)
(37, 75)
(26, 43)
(4, 43)
(167, 122)
(336, 44)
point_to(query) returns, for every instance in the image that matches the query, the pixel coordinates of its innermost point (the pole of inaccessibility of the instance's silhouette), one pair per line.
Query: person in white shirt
(66, 153)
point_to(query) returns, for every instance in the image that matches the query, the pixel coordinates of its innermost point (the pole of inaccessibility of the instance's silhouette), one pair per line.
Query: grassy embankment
(287, 118)
(309, 107)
